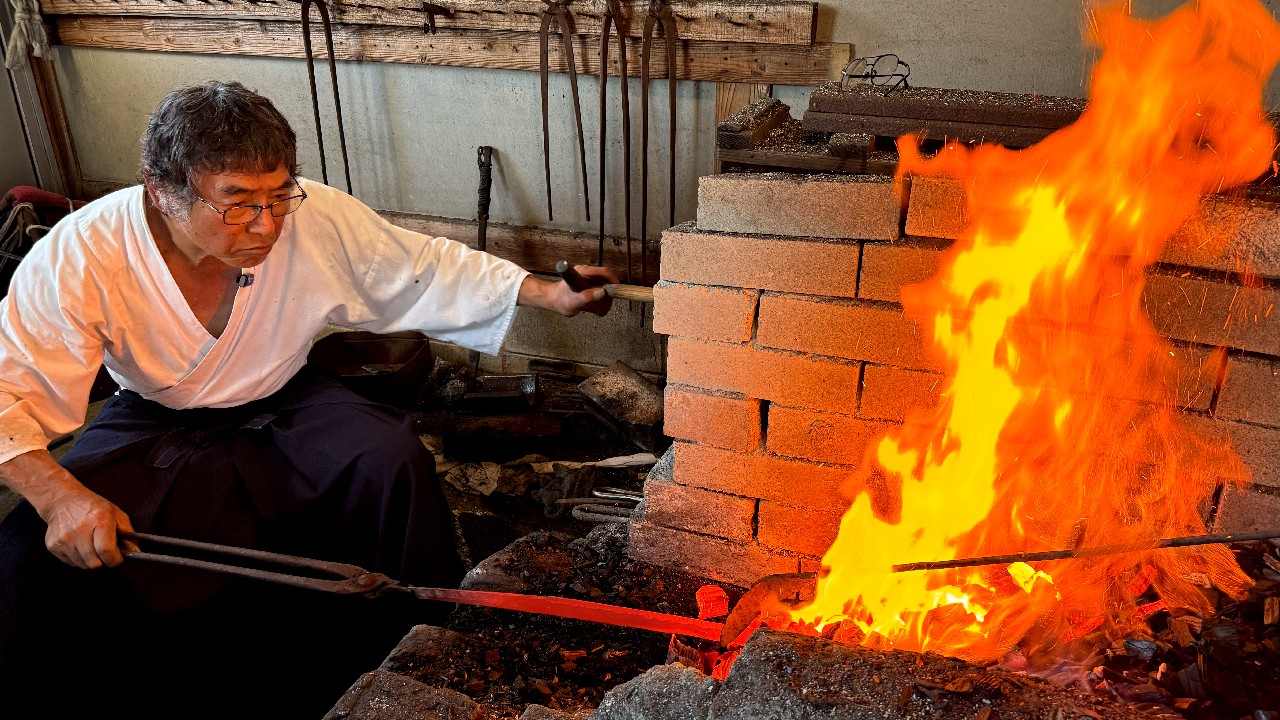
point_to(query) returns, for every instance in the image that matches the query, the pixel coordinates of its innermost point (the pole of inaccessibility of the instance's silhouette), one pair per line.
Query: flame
(1058, 424)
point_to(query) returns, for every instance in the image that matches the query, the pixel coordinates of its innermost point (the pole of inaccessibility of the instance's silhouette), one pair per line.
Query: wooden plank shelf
(696, 60)
(812, 159)
(788, 22)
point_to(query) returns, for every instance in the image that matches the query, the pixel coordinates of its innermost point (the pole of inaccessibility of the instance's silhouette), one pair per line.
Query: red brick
(799, 530)
(802, 205)
(682, 507)
(762, 476)
(1214, 313)
(889, 392)
(820, 437)
(842, 329)
(1251, 392)
(1246, 510)
(740, 564)
(937, 207)
(1151, 370)
(783, 377)
(887, 267)
(815, 267)
(732, 423)
(1258, 447)
(1232, 234)
(705, 313)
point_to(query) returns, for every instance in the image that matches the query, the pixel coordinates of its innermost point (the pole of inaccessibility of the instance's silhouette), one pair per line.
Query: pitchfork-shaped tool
(659, 14)
(613, 13)
(323, 8)
(557, 12)
(347, 579)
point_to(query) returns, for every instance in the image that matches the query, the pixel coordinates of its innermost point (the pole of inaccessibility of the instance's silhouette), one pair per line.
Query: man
(201, 291)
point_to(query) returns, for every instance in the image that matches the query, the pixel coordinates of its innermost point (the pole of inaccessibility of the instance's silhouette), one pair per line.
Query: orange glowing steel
(1059, 418)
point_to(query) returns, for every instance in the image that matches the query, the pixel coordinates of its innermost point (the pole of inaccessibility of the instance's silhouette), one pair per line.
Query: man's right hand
(82, 524)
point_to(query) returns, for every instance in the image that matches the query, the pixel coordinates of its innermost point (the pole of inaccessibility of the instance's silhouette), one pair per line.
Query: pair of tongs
(353, 580)
(326, 576)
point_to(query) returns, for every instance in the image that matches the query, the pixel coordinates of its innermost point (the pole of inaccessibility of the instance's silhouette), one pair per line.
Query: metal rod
(1089, 551)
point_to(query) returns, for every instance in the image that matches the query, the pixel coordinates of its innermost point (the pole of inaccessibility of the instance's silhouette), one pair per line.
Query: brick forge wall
(788, 353)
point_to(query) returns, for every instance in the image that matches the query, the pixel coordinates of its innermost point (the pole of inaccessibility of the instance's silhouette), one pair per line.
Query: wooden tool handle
(575, 280)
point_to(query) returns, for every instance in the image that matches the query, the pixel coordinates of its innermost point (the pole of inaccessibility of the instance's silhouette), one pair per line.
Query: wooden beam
(697, 60)
(786, 22)
(55, 116)
(808, 162)
(534, 249)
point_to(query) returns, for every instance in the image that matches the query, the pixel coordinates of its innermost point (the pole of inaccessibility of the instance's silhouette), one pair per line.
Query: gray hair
(211, 128)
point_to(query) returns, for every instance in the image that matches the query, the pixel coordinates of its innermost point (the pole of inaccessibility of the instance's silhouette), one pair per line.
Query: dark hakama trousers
(313, 470)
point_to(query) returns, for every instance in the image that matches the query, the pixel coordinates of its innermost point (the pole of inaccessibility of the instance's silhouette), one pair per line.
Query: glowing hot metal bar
(352, 580)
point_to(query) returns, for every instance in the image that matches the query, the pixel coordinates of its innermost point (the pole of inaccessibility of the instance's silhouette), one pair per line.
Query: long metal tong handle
(346, 579)
(323, 8)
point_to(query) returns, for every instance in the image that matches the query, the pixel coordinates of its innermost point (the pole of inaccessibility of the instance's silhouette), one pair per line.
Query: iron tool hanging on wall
(557, 12)
(613, 14)
(323, 8)
(659, 14)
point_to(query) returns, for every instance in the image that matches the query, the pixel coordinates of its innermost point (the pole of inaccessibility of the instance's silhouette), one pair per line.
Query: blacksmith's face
(240, 245)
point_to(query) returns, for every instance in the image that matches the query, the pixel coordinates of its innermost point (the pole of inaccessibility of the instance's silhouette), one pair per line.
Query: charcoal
(1141, 648)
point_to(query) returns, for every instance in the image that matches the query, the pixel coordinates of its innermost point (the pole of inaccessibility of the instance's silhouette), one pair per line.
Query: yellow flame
(1057, 421)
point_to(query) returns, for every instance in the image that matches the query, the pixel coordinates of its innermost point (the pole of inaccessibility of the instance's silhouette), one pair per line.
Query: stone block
(888, 267)
(889, 393)
(816, 267)
(1258, 447)
(681, 507)
(784, 377)
(704, 313)
(1230, 234)
(1212, 312)
(663, 691)
(842, 329)
(762, 476)
(820, 437)
(738, 564)
(796, 529)
(383, 695)
(936, 207)
(864, 207)
(1247, 509)
(625, 400)
(729, 422)
(1251, 390)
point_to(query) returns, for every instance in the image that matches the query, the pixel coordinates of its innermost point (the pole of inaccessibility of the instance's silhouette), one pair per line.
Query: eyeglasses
(881, 70)
(245, 214)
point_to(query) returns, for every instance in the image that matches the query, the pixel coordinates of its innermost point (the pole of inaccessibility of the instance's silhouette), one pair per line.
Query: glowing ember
(1058, 424)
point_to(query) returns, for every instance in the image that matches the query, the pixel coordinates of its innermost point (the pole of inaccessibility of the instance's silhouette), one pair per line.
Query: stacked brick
(788, 353)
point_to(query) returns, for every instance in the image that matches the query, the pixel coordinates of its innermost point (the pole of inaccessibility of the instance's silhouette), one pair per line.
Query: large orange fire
(1058, 425)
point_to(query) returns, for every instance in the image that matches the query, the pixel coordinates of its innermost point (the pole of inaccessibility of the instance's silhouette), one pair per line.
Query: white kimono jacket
(96, 291)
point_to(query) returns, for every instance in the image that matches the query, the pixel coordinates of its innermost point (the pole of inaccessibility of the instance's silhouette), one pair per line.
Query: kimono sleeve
(49, 351)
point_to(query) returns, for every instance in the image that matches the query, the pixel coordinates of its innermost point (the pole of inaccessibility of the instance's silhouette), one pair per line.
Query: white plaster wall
(412, 131)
